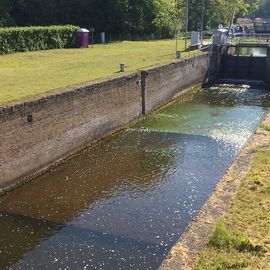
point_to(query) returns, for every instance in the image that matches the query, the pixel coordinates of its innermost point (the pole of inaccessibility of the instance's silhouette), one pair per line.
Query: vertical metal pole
(202, 20)
(187, 11)
(176, 25)
(176, 41)
(231, 21)
(92, 39)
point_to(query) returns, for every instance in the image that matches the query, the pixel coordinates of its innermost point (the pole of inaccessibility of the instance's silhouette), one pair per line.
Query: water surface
(124, 203)
(248, 51)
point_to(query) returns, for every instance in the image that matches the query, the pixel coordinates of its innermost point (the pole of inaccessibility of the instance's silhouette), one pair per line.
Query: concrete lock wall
(162, 84)
(35, 134)
(267, 73)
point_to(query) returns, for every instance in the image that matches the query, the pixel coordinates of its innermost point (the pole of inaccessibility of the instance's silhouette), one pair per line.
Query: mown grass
(265, 127)
(241, 239)
(30, 74)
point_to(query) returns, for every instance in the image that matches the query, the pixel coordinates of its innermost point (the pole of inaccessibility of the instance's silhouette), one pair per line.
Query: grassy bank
(33, 73)
(241, 239)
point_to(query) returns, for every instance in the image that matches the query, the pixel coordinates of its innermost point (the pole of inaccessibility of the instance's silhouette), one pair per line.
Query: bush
(221, 238)
(22, 39)
(265, 127)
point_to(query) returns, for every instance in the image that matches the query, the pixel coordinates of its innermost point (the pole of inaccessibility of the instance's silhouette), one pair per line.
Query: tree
(5, 16)
(219, 12)
(169, 16)
(263, 10)
(160, 17)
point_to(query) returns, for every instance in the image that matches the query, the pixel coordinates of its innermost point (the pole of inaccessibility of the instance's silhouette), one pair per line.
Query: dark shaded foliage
(21, 39)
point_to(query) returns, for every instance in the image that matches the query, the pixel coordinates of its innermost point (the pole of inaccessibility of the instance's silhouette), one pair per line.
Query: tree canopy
(263, 10)
(220, 11)
(160, 17)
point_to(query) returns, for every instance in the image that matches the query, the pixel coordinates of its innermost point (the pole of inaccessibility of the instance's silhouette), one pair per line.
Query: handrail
(250, 38)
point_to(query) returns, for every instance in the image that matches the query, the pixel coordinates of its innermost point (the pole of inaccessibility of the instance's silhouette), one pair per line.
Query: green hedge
(22, 39)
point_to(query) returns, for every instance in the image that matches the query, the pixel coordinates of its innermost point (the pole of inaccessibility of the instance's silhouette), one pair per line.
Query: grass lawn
(31, 74)
(241, 239)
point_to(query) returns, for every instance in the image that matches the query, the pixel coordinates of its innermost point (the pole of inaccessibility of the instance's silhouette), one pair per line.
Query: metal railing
(193, 53)
(254, 38)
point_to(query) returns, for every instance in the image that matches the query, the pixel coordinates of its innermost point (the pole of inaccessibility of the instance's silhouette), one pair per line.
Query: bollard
(102, 38)
(178, 54)
(122, 67)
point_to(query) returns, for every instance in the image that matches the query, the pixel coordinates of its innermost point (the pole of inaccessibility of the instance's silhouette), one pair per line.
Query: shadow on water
(125, 202)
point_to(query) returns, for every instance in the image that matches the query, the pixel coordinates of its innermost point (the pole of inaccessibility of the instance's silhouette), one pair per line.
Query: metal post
(231, 22)
(202, 20)
(92, 30)
(176, 40)
(177, 53)
(187, 13)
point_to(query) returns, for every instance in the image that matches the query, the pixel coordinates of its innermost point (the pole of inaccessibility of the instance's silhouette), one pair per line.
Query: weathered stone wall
(216, 61)
(162, 84)
(267, 73)
(37, 133)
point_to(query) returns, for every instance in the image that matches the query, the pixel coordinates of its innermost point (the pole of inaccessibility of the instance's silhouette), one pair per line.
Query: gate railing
(250, 38)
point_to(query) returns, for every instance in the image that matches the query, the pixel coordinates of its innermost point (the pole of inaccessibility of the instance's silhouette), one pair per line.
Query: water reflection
(248, 51)
(124, 203)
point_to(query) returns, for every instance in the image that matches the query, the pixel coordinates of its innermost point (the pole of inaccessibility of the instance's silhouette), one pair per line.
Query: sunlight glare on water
(124, 203)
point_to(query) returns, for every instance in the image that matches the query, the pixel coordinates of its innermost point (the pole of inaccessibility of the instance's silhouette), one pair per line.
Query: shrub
(22, 39)
(265, 127)
(221, 238)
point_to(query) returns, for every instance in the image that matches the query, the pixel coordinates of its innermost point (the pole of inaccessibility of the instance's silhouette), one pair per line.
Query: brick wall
(166, 82)
(37, 133)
